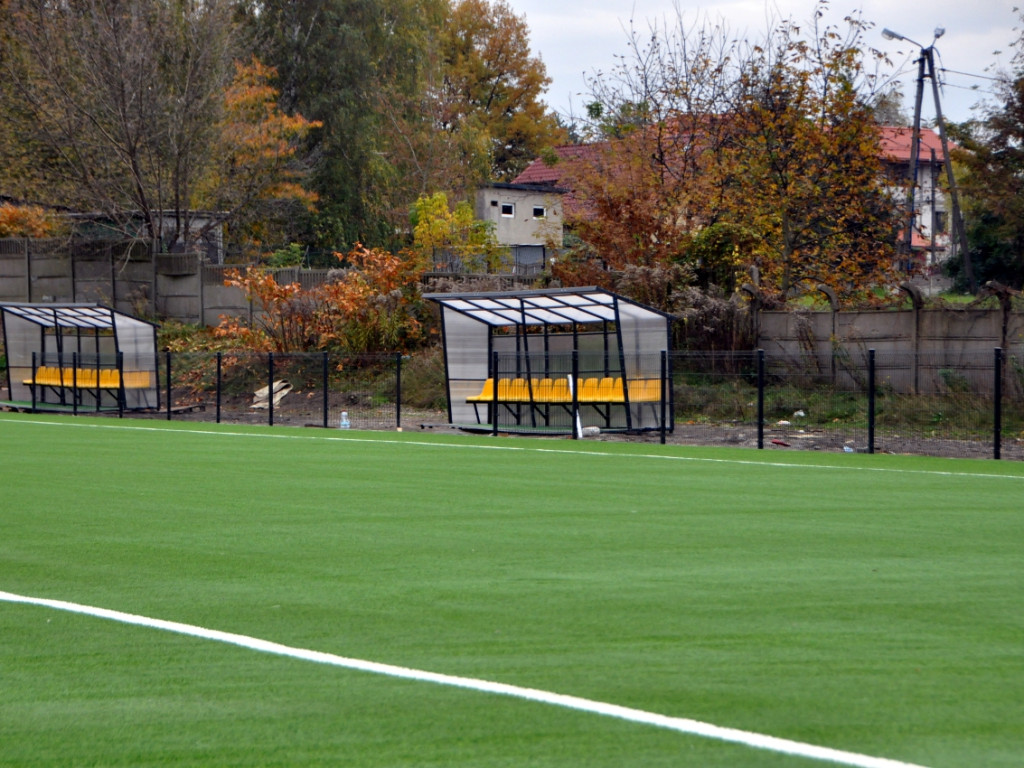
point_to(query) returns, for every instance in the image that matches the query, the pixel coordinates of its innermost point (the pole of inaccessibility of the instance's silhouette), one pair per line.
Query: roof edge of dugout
(36, 313)
(445, 299)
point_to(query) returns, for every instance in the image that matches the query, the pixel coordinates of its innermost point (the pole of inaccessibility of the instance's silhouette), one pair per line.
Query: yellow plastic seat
(519, 391)
(134, 379)
(544, 391)
(560, 391)
(589, 391)
(486, 393)
(610, 390)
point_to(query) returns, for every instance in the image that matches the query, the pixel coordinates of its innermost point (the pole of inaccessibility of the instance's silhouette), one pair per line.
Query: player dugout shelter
(79, 356)
(555, 361)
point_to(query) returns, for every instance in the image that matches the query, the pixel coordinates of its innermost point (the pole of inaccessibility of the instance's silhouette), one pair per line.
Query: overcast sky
(574, 37)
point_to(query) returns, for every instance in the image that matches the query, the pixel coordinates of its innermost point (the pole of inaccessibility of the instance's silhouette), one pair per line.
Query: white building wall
(522, 216)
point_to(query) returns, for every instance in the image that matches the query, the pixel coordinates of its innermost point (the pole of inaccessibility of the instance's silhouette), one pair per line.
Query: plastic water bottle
(344, 423)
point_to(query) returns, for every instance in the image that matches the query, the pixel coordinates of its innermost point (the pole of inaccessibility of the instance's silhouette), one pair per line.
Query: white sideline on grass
(295, 434)
(682, 725)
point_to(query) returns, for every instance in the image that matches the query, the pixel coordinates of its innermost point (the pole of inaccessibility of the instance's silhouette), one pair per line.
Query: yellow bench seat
(89, 378)
(591, 390)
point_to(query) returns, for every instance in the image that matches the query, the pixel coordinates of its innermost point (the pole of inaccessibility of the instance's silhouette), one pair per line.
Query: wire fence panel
(862, 402)
(919, 405)
(308, 390)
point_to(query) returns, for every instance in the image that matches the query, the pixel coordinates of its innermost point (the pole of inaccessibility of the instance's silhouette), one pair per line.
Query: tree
(439, 229)
(492, 85)
(123, 95)
(773, 140)
(992, 158)
(255, 174)
(369, 307)
(660, 133)
(26, 221)
(807, 148)
(358, 67)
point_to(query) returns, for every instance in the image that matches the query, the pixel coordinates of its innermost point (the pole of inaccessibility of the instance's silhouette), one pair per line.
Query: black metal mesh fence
(875, 403)
(918, 405)
(311, 390)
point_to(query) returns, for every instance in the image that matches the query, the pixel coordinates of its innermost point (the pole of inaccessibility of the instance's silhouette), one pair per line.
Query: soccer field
(230, 596)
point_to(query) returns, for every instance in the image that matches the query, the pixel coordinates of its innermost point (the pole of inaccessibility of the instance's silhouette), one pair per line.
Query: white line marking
(521, 448)
(682, 725)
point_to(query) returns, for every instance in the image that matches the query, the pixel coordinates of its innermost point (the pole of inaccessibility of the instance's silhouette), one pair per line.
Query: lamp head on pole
(888, 34)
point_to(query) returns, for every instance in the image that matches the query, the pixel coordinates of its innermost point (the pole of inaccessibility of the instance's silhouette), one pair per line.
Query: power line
(972, 88)
(971, 74)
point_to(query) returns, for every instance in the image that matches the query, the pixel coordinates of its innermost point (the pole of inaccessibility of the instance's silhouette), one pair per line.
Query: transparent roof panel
(67, 316)
(553, 307)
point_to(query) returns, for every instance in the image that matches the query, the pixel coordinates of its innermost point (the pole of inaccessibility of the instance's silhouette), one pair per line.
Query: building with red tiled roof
(931, 233)
(931, 227)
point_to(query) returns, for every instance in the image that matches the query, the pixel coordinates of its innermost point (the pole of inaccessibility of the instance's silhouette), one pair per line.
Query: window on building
(508, 209)
(941, 222)
(539, 212)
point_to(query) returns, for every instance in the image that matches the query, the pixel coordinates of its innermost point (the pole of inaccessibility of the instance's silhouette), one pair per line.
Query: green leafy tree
(441, 230)
(357, 67)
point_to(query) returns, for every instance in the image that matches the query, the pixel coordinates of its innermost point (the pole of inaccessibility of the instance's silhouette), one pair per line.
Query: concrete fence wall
(915, 349)
(127, 277)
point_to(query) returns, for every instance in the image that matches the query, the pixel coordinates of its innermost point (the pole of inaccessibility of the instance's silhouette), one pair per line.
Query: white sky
(574, 37)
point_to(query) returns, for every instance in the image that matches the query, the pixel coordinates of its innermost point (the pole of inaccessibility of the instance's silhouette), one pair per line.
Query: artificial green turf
(866, 603)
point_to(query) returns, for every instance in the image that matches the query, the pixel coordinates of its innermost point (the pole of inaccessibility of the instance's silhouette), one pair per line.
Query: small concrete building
(522, 214)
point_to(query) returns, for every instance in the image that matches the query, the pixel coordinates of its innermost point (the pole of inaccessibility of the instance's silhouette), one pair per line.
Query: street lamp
(926, 63)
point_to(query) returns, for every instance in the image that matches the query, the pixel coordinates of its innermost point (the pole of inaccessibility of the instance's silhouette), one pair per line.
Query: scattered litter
(782, 423)
(261, 397)
(783, 443)
(847, 449)
(798, 414)
(591, 431)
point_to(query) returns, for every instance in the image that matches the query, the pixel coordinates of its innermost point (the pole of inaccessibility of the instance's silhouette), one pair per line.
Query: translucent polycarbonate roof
(63, 315)
(550, 307)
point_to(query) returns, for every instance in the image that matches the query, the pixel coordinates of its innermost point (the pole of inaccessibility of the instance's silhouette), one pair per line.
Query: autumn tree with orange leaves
(810, 179)
(257, 173)
(742, 161)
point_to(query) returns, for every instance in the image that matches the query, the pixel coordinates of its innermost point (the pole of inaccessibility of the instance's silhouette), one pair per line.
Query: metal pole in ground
(997, 397)
(760, 398)
(326, 380)
(270, 388)
(576, 426)
(35, 372)
(74, 383)
(168, 360)
(871, 401)
(220, 362)
(120, 384)
(398, 391)
(494, 395)
(664, 388)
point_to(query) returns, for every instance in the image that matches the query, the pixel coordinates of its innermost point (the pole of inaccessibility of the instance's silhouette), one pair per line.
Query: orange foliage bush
(26, 221)
(368, 307)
